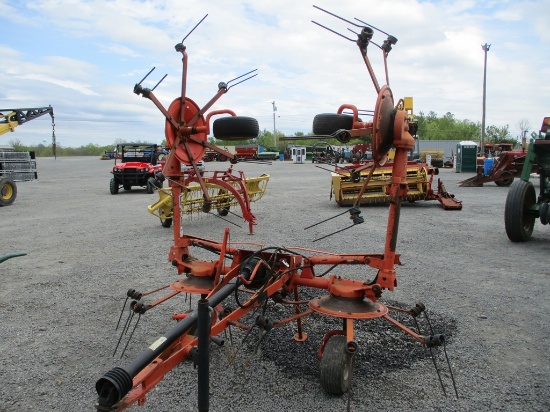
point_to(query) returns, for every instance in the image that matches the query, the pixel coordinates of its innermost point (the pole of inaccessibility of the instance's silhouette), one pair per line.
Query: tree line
(430, 127)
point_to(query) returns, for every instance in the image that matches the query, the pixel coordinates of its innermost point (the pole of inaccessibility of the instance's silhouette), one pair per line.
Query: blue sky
(83, 57)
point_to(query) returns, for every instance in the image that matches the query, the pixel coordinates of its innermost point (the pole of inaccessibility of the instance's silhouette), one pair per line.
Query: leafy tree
(495, 134)
(432, 127)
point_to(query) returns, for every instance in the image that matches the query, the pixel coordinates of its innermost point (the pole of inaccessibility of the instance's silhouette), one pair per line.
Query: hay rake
(225, 189)
(258, 277)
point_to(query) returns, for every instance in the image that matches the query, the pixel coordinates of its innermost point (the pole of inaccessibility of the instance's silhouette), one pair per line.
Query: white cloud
(86, 63)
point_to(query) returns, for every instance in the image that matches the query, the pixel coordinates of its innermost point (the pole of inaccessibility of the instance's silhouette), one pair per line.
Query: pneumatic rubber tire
(113, 186)
(507, 181)
(336, 366)
(326, 124)
(235, 128)
(518, 220)
(167, 222)
(544, 214)
(151, 185)
(8, 191)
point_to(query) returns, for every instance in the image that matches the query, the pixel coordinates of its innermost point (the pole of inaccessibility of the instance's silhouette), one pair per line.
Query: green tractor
(523, 206)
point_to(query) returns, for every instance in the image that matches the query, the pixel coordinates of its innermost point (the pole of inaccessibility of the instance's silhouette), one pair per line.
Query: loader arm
(11, 118)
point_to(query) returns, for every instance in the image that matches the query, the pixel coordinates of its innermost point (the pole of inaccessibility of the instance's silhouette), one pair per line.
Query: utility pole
(274, 135)
(485, 48)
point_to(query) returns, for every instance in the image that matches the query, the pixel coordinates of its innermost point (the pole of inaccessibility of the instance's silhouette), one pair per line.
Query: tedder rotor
(239, 286)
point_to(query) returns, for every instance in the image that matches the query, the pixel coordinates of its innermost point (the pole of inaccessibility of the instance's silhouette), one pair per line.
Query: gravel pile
(60, 303)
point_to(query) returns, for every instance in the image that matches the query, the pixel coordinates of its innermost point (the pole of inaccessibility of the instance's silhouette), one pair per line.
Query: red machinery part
(196, 150)
(382, 136)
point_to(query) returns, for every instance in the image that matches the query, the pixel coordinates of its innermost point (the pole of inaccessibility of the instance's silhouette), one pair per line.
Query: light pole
(485, 48)
(274, 135)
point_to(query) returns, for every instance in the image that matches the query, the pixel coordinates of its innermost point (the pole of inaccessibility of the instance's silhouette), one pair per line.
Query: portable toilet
(298, 154)
(466, 157)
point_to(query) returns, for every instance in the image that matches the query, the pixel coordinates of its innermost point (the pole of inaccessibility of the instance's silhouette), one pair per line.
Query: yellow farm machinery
(225, 189)
(17, 166)
(361, 186)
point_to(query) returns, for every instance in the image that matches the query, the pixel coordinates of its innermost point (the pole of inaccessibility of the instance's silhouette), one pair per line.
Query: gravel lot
(85, 248)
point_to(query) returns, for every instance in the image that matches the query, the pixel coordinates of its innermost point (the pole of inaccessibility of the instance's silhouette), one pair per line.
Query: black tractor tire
(113, 186)
(235, 128)
(325, 124)
(167, 222)
(336, 368)
(8, 191)
(518, 221)
(507, 181)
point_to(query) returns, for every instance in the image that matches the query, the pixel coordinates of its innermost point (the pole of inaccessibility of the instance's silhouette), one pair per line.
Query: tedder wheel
(113, 186)
(223, 211)
(235, 128)
(167, 222)
(507, 181)
(8, 191)
(336, 366)
(327, 123)
(518, 219)
(543, 213)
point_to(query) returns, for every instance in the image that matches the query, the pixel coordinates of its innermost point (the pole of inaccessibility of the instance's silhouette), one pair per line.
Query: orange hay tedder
(257, 278)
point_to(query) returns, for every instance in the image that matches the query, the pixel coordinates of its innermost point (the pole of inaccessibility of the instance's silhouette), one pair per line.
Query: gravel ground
(59, 304)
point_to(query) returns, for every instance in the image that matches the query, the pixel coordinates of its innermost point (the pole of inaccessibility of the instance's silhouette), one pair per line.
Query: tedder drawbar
(259, 277)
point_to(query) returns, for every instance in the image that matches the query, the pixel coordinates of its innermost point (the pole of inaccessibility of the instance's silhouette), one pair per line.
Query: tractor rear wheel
(336, 366)
(235, 128)
(8, 191)
(113, 186)
(518, 220)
